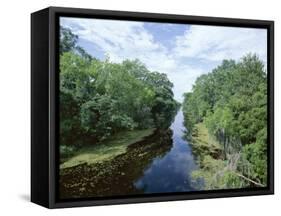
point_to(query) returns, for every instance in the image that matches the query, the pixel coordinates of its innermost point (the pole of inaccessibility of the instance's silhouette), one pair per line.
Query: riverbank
(217, 171)
(209, 157)
(116, 173)
(203, 143)
(106, 150)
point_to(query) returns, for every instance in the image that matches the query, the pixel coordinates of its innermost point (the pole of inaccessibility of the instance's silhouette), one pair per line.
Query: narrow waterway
(161, 163)
(171, 173)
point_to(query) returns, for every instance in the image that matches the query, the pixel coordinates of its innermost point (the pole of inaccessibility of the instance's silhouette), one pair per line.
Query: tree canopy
(232, 102)
(99, 98)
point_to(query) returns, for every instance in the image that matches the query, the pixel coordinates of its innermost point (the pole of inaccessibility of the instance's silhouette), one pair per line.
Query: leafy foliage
(100, 98)
(232, 102)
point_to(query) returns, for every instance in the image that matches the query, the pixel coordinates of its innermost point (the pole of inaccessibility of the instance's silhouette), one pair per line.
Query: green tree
(232, 102)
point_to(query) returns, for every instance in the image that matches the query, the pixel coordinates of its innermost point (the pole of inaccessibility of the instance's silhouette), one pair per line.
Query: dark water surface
(171, 172)
(160, 163)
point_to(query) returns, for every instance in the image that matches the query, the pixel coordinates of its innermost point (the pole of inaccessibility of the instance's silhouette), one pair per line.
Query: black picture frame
(44, 105)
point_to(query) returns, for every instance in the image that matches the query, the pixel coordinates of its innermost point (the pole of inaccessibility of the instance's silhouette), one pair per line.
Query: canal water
(172, 172)
(161, 163)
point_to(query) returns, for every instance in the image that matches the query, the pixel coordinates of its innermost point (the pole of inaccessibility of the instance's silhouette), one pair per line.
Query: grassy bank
(106, 150)
(209, 155)
(203, 143)
(218, 172)
(116, 174)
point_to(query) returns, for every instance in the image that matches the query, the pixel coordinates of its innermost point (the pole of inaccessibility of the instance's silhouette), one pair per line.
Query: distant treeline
(231, 102)
(99, 98)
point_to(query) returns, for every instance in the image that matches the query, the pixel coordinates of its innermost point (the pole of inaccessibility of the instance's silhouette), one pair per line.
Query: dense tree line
(231, 102)
(100, 98)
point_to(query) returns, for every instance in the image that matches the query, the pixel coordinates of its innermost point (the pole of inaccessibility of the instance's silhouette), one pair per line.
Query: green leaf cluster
(232, 102)
(100, 98)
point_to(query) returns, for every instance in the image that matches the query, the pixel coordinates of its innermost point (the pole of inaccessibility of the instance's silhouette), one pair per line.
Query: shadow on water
(115, 177)
(161, 163)
(171, 173)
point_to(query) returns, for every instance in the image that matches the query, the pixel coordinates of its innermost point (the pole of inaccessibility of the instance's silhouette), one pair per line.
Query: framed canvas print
(138, 107)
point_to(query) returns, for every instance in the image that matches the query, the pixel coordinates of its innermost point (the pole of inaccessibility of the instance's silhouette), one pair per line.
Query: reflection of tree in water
(115, 177)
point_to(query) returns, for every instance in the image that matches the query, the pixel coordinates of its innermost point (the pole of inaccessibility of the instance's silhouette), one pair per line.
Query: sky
(183, 52)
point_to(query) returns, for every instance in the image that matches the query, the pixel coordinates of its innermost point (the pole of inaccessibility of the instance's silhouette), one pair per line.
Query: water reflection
(115, 177)
(172, 173)
(161, 163)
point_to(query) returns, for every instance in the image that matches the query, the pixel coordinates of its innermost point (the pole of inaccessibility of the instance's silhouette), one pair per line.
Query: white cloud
(194, 52)
(183, 77)
(215, 43)
(130, 40)
(119, 39)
